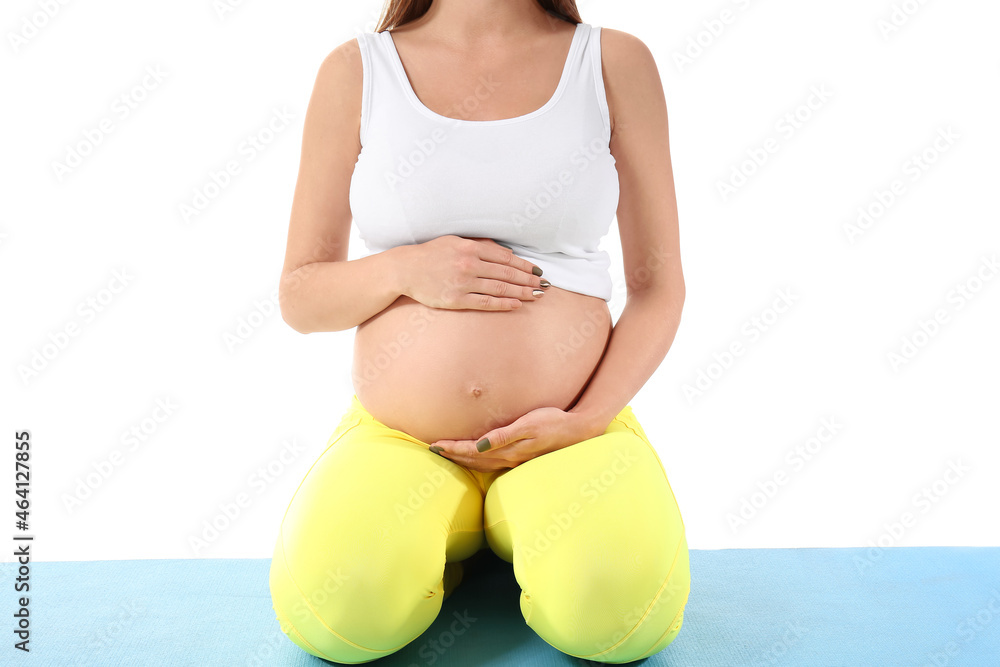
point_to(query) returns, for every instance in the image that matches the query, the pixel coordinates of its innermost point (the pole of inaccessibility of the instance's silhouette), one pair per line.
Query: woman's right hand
(456, 273)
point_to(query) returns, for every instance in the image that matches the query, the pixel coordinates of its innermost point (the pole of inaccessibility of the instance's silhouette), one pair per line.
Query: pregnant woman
(483, 149)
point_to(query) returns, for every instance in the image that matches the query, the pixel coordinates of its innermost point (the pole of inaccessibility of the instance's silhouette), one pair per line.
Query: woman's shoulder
(622, 49)
(628, 68)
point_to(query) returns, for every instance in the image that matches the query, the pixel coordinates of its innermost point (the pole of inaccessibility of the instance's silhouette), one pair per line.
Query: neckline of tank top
(422, 108)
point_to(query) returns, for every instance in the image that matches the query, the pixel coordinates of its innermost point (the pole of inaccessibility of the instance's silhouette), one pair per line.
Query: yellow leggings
(373, 539)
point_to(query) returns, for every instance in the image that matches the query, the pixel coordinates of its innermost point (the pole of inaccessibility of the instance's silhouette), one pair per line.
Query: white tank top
(543, 184)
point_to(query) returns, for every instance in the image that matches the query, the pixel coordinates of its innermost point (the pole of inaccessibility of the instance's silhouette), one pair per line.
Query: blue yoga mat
(910, 606)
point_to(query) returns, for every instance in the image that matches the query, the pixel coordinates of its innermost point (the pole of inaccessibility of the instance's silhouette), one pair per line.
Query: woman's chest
(534, 189)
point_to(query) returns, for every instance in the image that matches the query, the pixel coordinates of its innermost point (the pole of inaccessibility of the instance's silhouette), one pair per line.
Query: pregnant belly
(441, 374)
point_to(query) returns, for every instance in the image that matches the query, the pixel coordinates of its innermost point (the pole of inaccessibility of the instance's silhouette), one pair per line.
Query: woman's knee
(357, 610)
(611, 613)
(357, 570)
(653, 623)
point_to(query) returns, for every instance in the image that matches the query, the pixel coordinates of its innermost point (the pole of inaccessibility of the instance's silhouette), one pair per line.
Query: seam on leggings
(305, 641)
(358, 421)
(670, 628)
(656, 599)
(662, 467)
(305, 600)
(302, 481)
(495, 523)
(316, 615)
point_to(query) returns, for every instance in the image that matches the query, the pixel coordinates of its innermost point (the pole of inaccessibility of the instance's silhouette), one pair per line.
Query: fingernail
(437, 450)
(537, 271)
(483, 444)
(537, 292)
(546, 283)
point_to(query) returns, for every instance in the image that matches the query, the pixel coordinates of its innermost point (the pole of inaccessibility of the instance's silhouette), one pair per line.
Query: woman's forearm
(639, 342)
(335, 296)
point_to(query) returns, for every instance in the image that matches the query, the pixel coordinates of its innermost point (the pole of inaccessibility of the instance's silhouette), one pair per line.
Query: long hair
(398, 12)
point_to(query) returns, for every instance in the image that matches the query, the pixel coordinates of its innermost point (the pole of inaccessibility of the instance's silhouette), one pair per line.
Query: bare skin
(468, 371)
(464, 372)
(451, 375)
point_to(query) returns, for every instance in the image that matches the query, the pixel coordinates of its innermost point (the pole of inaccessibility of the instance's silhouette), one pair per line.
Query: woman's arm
(648, 225)
(319, 289)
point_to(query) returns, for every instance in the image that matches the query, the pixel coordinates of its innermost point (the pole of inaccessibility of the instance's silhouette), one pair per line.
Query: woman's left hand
(538, 432)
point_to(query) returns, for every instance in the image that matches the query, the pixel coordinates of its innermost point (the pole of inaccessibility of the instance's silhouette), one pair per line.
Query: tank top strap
(585, 89)
(385, 86)
(596, 78)
(381, 89)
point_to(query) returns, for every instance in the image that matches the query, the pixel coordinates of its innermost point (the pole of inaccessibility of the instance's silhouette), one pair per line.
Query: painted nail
(483, 444)
(437, 450)
(546, 283)
(537, 292)
(537, 271)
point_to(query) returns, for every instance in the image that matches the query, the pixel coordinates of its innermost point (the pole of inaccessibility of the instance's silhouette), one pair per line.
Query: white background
(163, 337)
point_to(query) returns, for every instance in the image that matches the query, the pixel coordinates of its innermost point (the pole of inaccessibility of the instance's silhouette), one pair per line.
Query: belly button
(476, 392)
